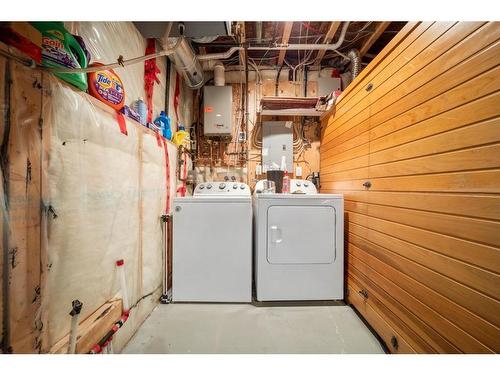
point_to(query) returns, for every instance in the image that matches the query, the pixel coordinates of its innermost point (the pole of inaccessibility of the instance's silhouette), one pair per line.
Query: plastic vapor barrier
(76, 196)
(106, 41)
(107, 192)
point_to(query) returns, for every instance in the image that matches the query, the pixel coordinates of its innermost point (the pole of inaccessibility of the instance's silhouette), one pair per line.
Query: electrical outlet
(242, 137)
(258, 169)
(298, 171)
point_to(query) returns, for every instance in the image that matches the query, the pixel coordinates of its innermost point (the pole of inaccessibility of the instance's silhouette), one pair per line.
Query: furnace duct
(355, 59)
(186, 63)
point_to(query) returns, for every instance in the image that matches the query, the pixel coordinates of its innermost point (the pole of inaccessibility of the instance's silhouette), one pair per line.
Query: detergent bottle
(61, 49)
(163, 121)
(181, 136)
(142, 109)
(106, 86)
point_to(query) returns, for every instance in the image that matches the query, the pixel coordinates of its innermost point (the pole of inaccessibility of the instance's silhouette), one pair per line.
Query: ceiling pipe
(277, 47)
(258, 31)
(219, 56)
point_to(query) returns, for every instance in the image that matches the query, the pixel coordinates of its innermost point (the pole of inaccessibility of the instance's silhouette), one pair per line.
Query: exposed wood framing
(242, 34)
(373, 38)
(334, 26)
(287, 30)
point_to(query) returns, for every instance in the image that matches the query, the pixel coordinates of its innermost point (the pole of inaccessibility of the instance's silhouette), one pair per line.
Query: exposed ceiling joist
(242, 38)
(287, 30)
(373, 38)
(328, 38)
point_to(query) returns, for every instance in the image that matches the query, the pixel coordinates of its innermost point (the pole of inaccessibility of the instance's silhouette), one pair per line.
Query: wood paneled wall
(421, 124)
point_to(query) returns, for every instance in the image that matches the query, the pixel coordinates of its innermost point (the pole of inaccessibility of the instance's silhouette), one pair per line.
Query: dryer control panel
(225, 188)
(297, 186)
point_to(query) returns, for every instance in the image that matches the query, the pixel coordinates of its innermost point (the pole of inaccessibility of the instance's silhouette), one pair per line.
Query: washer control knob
(222, 185)
(209, 186)
(297, 183)
(202, 186)
(242, 186)
(306, 184)
(235, 186)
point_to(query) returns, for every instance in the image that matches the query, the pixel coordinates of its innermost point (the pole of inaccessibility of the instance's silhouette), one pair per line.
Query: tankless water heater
(217, 111)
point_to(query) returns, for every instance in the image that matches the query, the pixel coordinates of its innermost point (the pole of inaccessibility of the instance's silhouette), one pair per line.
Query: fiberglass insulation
(107, 192)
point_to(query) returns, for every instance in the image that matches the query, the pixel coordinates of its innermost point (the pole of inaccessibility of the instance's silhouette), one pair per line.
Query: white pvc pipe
(219, 78)
(75, 314)
(123, 284)
(73, 333)
(219, 56)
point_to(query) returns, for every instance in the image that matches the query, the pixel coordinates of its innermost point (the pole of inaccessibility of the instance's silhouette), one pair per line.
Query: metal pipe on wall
(187, 63)
(246, 101)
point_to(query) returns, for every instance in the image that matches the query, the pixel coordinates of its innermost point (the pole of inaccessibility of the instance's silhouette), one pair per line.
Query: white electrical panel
(327, 85)
(277, 142)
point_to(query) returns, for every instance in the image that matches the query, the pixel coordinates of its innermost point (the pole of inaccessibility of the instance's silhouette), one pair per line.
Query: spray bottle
(286, 179)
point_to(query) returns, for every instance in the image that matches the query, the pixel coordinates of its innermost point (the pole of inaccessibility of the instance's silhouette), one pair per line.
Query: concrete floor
(241, 328)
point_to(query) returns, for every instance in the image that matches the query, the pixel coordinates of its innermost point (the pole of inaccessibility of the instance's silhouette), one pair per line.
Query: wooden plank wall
(21, 170)
(421, 124)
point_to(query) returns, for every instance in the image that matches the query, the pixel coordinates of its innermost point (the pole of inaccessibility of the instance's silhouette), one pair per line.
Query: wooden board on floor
(92, 329)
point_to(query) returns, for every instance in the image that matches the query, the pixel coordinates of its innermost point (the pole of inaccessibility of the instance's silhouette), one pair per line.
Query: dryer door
(301, 234)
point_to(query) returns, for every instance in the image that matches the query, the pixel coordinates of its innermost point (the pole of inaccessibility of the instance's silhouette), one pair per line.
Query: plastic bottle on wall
(181, 136)
(142, 109)
(163, 121)
(61, 49)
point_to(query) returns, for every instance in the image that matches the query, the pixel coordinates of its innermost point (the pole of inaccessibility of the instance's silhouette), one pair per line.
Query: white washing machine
(299, 244)
(212, 244)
